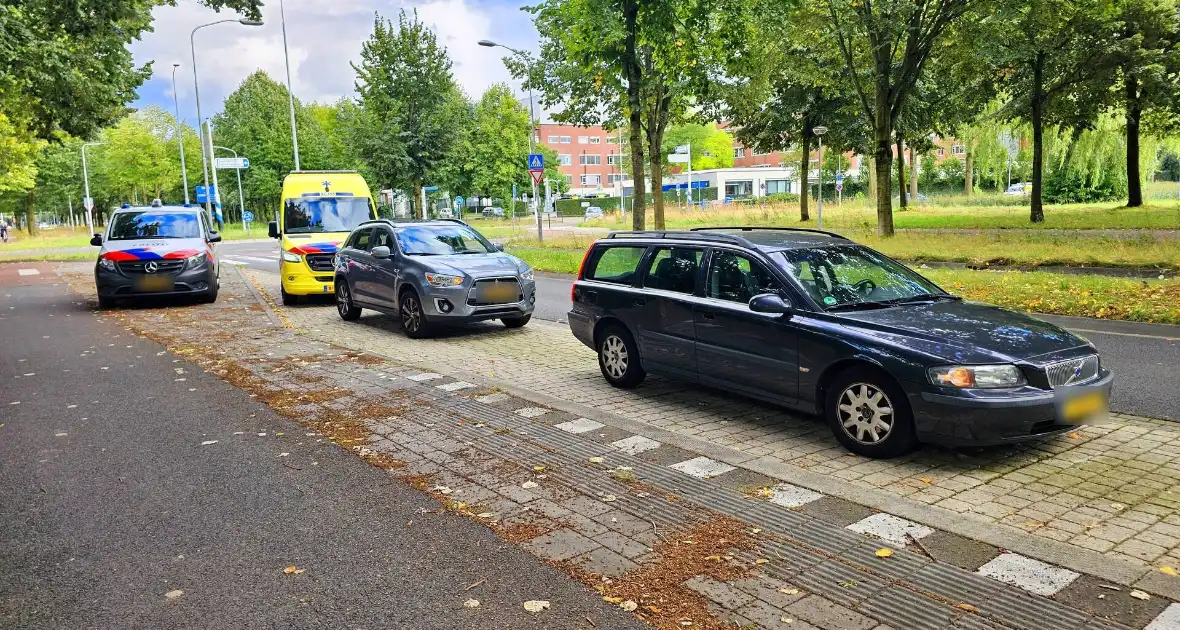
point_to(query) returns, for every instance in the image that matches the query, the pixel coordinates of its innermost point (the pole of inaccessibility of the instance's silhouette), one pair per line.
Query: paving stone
(581, 425)
(1169, 619)
(839, 582)
(492, 398)
(623, 522)
(836, 511)
(891, 529)
(1031, 575)
(721, 593)
(456, 386)
(624, 546)
(605, 562)
(585, 505)
(636, 444)
(825, 614)
(790, 496)
(770, 590)
(702, 467)
(959, 551)
(561, 544)
(423, 376)
(531, 412)
(1117, 606)
(767, 616)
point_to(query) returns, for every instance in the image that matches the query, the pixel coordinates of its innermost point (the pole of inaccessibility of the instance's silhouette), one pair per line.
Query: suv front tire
(413, 319)
(618, 358)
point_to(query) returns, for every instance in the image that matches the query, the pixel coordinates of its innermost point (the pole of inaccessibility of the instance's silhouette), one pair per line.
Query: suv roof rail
(459, 221)
(685, 234)
(751, 228)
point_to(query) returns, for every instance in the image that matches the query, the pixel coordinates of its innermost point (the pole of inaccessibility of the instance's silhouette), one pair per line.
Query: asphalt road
(109, 501)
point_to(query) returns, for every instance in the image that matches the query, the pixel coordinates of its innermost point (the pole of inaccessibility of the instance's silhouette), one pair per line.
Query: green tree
(711, 147)
(138, 160)
(499, 143)
(406, 87)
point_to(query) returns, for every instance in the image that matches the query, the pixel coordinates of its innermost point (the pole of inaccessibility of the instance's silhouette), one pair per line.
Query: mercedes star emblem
(151, 267)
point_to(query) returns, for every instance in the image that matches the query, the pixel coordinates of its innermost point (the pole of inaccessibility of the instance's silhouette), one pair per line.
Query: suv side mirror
(273, 229)
(214, 237)
(380, 251)
(770, 303)
(96, 240)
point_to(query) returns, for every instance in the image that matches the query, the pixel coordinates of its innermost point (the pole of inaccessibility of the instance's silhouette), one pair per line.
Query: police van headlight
(292, 257)
(107, 264)
(195, 261)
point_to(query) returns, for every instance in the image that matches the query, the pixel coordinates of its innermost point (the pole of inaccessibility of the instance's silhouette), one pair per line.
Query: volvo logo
(151, 267)
(1077, 371)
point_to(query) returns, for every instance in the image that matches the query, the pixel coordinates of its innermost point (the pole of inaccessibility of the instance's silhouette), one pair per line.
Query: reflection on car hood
(474, 264)
(964, 331)
(153, 249)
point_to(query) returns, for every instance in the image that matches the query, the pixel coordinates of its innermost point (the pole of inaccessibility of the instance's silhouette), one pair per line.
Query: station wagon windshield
(849, 277)
(325, 214)
(435, 240)
(154, 224)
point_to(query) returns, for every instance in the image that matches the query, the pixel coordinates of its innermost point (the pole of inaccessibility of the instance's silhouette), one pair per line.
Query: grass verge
(62, 237)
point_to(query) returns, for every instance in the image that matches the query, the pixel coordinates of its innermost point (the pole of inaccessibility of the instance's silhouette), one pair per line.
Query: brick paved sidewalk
(1109, 489)
(674, 535)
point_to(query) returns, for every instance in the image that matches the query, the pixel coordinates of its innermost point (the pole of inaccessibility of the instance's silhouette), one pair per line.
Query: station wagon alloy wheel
(614, 356)
(865, 413)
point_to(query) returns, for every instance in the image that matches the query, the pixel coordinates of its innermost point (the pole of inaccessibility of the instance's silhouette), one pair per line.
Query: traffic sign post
(839, 188)
(247, 219)
(537, 175)
(536, 166)
(231, 163)
(203, 195)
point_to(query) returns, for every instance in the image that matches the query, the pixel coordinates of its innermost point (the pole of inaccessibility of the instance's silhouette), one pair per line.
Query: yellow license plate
(1083, 406)
(499, 293)
(155, 283)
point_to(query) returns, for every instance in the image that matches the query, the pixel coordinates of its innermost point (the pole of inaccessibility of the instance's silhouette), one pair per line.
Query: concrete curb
(263, 302)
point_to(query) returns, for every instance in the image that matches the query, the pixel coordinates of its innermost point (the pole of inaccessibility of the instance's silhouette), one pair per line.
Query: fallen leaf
(712, 557)
(968, 608)
(528, 485)
(486, 514)
(291, 570)
(655, 610)
(884, 552)
(686, 622)
(595, 460)
(628, 606)
(471, 603)
(762, 561)
(174, 594)
(1109, 587)
(1118, 506)
(442, 489)
(1167, 570)
(609, 498)
(789, 591)
(538, 468)
(1140, 595)
(613, 600)
(208, 442)
(847, 584)
(1075, 435)
(536, 605)
(926, 479)
(756, 530)
(786, 619)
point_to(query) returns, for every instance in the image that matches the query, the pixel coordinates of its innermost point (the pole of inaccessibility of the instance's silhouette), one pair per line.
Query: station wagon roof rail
(749, 228)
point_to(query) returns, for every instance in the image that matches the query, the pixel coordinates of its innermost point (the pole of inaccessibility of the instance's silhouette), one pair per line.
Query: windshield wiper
(859, 305)
(926, 297)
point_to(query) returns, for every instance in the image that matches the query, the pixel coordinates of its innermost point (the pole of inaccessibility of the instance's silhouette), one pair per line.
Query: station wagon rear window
(615, 264)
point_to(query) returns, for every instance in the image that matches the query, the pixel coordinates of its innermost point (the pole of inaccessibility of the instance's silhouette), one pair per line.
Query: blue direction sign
(203, 196)
(247, 216)
(839, 178)
(536, 162)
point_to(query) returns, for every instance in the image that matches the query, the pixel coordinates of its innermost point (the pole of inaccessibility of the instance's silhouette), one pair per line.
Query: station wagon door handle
(707, 315)
(639, 302)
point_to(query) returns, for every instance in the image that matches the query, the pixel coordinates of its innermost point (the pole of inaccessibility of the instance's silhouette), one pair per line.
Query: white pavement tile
(532, 412)
(456, 386)
(786, 495)
(581, 425)
(1031, 575)
(891, 529)
(702, 467)
(28, 272)
(425, 376)
(1167, 620)
(636, 444)
(492, 398)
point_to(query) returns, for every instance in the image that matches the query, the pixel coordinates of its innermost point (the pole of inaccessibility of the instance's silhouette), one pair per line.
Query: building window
(612, 140)
(565, 140)
(614, 159)
(565, 160)
(569, 179)
(739, 152)
(589, 160)
(554, 139)
(941, 152)
(583, 140)
(614, 178)
(762, 165)
(591, 180)
(739, 189)
(595, 140)
(758, 153)
(775, 186)
(958, 149)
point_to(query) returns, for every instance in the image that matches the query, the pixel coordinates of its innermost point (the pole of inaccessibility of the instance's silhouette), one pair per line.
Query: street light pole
(290, 94)
(86, 184)
(819, 132)
(197, 96)
(532, 124)
(180, 133)
(241, 196)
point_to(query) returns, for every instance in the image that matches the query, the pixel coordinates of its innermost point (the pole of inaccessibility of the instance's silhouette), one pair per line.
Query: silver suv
(431, 273)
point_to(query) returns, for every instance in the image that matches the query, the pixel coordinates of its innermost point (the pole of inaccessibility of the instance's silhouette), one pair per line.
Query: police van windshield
(325, 214)
(154, 224)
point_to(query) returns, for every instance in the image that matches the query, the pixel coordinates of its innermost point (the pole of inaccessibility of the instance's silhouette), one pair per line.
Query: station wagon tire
(349, 312)
(869, 413)
(413, 319)
(618, 358)
(288, 299)
(516, 322)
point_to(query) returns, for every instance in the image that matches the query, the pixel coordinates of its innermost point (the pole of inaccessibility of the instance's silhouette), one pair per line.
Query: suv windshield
(441, 240)
(850, 276)
(154, 224)
(325, 214)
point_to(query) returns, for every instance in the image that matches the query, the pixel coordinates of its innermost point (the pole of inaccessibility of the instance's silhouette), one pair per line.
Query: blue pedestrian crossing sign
(536, 162)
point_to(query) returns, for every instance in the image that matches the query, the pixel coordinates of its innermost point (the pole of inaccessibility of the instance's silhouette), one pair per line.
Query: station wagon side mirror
(380, 251)
(498, 246)
(273, 229)
(214, 237)
(770, 303)
(96, 240)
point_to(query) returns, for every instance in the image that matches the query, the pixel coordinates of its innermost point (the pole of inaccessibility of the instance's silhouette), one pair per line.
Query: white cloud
(324, 37)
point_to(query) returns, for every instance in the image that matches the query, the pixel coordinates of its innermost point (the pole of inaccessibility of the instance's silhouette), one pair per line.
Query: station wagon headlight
(977, 376)
(527, 274)
(107, 264)
(292, 257)
(442, 280)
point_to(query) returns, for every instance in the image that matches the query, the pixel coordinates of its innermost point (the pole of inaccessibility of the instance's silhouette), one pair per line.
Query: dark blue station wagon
(815, 322)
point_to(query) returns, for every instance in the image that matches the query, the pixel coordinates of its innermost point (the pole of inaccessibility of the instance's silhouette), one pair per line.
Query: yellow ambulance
(319, 209)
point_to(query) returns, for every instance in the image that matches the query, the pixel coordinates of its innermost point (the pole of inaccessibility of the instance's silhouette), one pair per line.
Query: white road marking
(28, 272)
(1167, 620)
(259, 259)
(702, 468)
(581, 425)
(231, 261)
(790, 496)
(1031, 575)
(636, 444)
(891, 529)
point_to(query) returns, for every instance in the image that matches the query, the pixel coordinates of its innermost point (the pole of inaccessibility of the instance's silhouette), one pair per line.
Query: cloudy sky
(324, 36)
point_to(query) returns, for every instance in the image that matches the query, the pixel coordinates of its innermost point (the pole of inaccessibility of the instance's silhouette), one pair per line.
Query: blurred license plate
(497, 293)
(154, 283)
(1084, 406)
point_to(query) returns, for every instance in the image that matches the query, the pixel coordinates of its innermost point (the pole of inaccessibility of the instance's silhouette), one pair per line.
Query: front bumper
(299, 279)
(114, 284)
(453, 304)
(982, 418)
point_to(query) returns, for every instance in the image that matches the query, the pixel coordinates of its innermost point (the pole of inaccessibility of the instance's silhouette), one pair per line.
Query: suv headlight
(977, 376)
(291, 257)
(527, 274)
(441, 280)
(107, 264)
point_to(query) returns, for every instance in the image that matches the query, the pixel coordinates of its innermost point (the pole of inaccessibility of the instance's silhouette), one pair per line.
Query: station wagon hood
(152, 249)
(478, 265)
(963, 331)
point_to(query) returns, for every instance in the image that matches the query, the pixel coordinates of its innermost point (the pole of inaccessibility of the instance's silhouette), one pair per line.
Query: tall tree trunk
(804, 172)
(1036, 209)
(913, 175)
(901, 190)
(969, 175)
(872, 173)
(421, 207)
(635, 113)
(31, 212)
(882, 153)
(655, 155)
(1134, 113)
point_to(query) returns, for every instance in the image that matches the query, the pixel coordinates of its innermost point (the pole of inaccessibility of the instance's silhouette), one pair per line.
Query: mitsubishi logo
(151, 266)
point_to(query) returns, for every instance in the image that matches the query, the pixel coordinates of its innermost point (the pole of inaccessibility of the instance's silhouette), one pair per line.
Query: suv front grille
(320, 262)
(493, 291)
(1072, 371)
(162, 266)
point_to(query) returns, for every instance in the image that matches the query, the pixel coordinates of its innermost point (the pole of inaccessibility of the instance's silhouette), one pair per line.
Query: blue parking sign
(536, 162)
